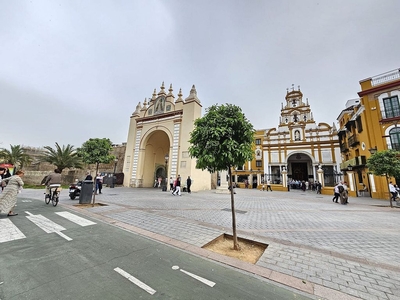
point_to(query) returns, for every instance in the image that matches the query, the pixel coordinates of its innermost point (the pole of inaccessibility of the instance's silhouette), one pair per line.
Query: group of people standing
(175, 185)
(341, 192)
(10, 187)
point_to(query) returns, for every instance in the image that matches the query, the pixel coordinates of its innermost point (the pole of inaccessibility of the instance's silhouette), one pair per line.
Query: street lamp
(373, 150)
(166, 157)
(113, 179)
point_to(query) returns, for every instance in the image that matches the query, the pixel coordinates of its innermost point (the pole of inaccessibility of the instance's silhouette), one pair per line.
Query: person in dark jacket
(188, 184)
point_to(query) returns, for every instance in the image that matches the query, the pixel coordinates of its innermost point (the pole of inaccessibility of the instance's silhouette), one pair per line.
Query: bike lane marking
(201, 279)
(136, 281)
(47, 225)
(76, 219)
(9, 232)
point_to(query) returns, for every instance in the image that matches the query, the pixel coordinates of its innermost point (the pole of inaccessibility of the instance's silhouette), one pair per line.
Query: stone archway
(153, 164)
(300, 167)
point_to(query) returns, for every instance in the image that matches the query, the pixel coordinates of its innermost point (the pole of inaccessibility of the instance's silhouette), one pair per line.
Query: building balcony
(356, 162)
(353, 140)
(390, 116)
(344, 147)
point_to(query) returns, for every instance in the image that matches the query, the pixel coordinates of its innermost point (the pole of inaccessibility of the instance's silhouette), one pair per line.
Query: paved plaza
(328, 250)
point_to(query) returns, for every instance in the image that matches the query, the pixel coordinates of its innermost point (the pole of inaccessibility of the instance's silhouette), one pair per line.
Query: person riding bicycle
(53, 180)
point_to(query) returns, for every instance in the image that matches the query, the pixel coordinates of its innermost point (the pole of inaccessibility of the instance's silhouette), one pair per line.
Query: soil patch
(89, 205)
(250, 251)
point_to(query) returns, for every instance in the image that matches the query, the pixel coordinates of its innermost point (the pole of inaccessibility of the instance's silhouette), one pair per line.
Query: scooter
(75, 190)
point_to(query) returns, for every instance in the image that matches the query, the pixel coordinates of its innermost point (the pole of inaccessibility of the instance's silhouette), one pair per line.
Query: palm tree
(16, 156)
(65, 157)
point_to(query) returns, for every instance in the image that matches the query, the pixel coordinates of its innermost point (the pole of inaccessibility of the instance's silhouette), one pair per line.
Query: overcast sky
(74, 70)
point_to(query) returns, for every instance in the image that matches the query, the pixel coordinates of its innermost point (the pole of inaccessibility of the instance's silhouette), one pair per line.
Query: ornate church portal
(158, 142)
(299, 146)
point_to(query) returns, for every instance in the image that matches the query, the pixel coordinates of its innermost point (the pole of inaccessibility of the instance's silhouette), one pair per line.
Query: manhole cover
(236, 210)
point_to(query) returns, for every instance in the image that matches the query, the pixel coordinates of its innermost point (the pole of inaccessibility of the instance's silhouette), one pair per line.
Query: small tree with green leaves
(16, 156)
(222, 139)
(96, 151)
(62, 157)
(385, 163)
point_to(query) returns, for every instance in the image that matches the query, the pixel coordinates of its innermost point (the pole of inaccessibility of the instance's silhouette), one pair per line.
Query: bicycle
(54, 194)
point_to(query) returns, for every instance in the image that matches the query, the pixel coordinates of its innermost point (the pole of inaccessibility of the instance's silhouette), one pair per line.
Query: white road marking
(135, 281)
(76, 219)
(26, 200)
(47, 225)
(9, 232)
(201, 279)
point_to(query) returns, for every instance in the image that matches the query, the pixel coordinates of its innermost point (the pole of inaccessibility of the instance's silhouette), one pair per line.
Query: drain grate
(236, 210)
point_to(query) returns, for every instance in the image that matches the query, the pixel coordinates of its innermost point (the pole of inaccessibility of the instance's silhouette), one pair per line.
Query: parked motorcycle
(75, 190)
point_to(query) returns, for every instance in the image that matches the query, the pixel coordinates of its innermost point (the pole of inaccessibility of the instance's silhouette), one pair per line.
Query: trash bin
(85, 196)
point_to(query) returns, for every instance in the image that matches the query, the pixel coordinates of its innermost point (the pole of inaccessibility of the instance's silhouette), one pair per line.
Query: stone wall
(36, 171)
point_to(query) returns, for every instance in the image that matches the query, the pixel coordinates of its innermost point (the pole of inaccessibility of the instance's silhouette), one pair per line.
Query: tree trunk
(390, 194)
(235, 241)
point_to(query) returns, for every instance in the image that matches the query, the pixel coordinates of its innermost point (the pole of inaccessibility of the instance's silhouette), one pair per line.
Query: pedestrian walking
(269, 185)
(393, 191)
(319, 187)
(99, 183)
(177, 186)
(337, 192)
(171, 184)
(5, 174)
(8, 198)
(344, 196)
(188, 184)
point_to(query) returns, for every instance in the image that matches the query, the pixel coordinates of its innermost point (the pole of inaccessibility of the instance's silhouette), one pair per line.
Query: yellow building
(380, 99)
(297, 150)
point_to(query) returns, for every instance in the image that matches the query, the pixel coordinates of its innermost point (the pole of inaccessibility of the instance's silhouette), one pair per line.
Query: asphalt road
(45, 255)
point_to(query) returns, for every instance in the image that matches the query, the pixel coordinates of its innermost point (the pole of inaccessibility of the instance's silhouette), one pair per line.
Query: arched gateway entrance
(301, 167)
(158, 141)
(156, 147)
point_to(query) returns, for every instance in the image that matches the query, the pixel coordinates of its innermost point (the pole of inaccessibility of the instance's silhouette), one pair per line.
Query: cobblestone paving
(350, 248)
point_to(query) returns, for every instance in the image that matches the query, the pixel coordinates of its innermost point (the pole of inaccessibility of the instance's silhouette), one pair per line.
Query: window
(258, 163)
(392, 107)
(258, 141)
(395, 138)
(359, 124)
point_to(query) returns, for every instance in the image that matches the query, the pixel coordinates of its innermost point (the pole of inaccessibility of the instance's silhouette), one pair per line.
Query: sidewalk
(328, 250)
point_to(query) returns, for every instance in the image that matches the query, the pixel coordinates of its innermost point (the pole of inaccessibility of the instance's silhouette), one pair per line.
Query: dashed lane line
(201, 279)
(136, 281)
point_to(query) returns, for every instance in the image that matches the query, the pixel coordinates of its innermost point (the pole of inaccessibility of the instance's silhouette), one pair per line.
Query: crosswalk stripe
(76, 219)
(47, 225)
(9, 232)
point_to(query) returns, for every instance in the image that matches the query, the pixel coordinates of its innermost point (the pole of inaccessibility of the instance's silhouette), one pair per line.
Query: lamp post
(166, 157)
(373, 150)
(113, 179)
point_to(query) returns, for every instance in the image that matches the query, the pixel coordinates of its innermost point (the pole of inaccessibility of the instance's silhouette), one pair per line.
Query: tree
(62, 157)
(96, 151)
(222, 139)
(385, 163)
(16, 156)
